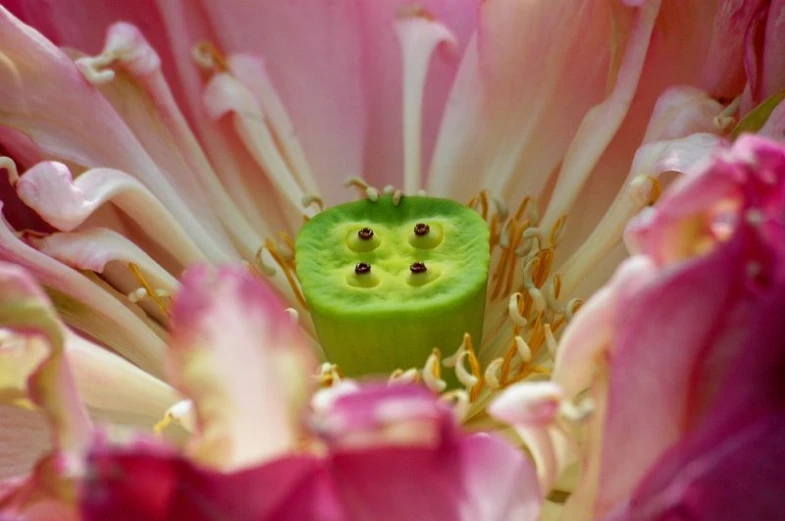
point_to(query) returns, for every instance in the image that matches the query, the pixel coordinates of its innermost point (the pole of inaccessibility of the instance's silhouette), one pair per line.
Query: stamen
(264, 269)
(513, 310)
(465, 377)
(8, 164)
(363, 188)
(459, 399)
(388, 190)
(137, 295)
(293, 315)
(208, 57)
(288, 270)
(538, 301)
(577, 413)
(645, 190)
(523, 349)
(572, 307)
(329, 375)
(396, 198)
(725, 120)
(181, 413)
(557, 231)
(94, 68)
(400, 376)
(550, 341)
(432, 373)
(493, 372)
(309, 199)
(501, 208)
(152, 293)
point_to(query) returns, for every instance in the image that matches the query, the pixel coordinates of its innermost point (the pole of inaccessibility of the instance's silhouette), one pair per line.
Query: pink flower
(682, 354)
(147, 140)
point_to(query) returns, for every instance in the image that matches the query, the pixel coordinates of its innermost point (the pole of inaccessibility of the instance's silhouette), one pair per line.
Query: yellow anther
(154, 295)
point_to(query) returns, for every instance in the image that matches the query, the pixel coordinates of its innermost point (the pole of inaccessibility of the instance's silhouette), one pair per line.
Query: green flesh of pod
(391, 317)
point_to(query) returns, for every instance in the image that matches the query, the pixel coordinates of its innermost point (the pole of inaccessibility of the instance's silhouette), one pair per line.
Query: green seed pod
(387, 283)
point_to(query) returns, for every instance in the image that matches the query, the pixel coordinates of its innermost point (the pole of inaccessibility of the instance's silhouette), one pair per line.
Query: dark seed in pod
(421, 229)
(362, 268)
(365, 234)
(418, 267)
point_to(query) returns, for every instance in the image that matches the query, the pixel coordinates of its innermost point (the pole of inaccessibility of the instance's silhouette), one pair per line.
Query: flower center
(427, 287)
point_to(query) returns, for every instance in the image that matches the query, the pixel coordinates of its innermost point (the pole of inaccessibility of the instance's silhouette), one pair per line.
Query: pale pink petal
(85, 306)
(113, 389)
(24, 309)
(590, 335)
(390, 80)
(603, 121)
(501, 482)
(237, 355)
(679, 135)
(420, 37)
(513, 108)
(65, 203)
(225, 95)
(316, 69)
(94, 248)
(24, 438)
(128, 72)
(41, 91)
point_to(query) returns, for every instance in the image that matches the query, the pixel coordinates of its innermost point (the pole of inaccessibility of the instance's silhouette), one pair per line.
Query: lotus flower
(144, 140)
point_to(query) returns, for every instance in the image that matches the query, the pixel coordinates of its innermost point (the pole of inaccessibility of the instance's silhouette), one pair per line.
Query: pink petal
(144, 99)
(501, 482)
(152, 485)
(737, 447)
(43, 89)
(675, 338)
(680, 133)
(513, 110)
(85, 306)
(24, 438)
(64, 202)
(237, 355)
(323, 49)
(386, 75)
(93, 248)
(24, 309)
(113, 389)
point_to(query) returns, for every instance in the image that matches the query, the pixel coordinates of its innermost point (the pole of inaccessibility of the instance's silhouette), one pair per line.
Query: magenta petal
(731, 467)
(152, 486)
